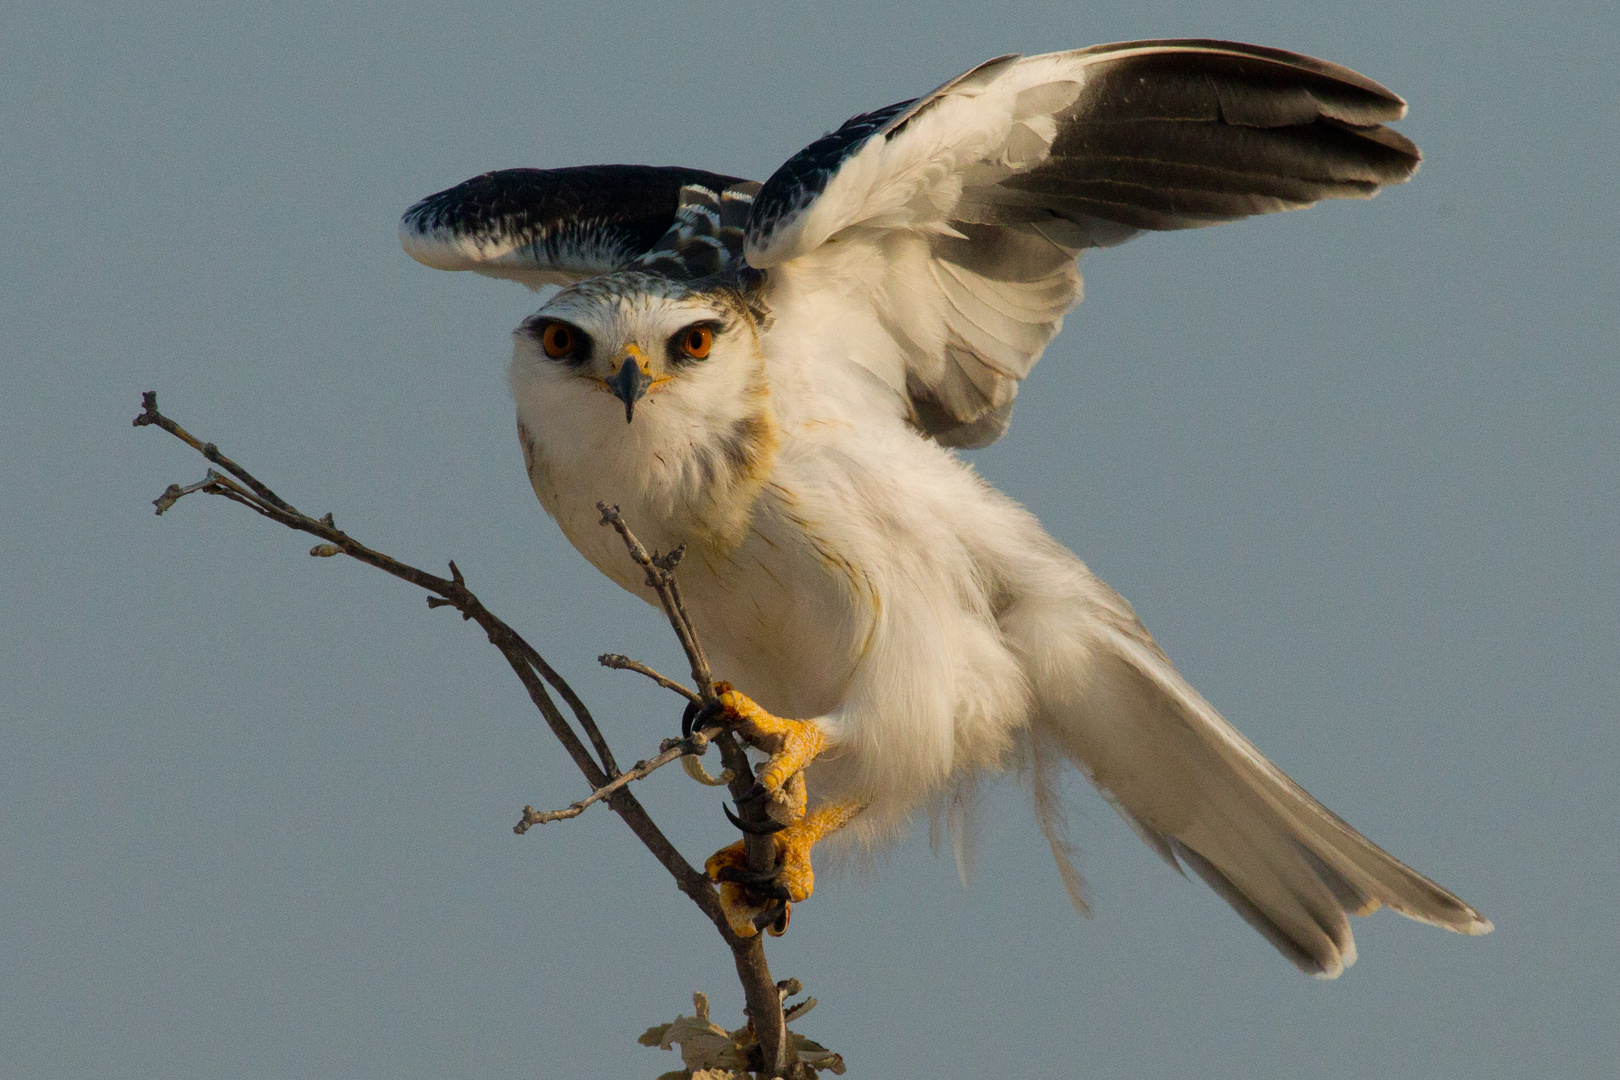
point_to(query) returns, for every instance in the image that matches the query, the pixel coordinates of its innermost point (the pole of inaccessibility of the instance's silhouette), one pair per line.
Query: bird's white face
(635, 390)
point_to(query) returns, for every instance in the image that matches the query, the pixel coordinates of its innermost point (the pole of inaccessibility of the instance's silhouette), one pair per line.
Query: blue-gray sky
(1357, 468)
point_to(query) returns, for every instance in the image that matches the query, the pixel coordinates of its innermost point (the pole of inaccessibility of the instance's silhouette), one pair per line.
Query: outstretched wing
(555, 226)
(953, 222)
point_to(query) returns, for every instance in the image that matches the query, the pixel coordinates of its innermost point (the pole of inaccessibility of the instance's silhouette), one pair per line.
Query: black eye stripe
(575, 348)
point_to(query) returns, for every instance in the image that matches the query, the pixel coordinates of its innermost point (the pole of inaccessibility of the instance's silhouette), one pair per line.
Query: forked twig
(661, 579)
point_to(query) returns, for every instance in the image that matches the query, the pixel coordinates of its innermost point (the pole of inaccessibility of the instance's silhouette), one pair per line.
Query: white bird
(774, 376)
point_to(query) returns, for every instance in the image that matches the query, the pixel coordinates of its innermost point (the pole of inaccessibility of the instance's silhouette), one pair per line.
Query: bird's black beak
(630, 384)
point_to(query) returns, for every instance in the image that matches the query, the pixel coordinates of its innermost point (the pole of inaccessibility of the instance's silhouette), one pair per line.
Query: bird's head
(642, 348)
(634, 386)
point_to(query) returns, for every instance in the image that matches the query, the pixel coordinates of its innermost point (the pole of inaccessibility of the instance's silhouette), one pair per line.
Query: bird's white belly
(779, 616)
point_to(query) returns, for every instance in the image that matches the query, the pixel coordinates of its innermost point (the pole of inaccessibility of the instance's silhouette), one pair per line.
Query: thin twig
(581, 713)
(524, 660)
(660, 571)
(700, 666)
(659, 579)
(759, 848)
(673, 750)
(694, 767)
(624, 663)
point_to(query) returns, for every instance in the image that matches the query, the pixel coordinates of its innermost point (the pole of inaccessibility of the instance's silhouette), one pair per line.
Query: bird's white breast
(779, 612)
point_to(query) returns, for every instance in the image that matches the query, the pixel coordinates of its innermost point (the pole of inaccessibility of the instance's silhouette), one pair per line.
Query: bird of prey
(775, 376)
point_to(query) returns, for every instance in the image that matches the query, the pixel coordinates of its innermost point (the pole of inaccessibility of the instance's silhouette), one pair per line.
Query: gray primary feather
(1212, 132)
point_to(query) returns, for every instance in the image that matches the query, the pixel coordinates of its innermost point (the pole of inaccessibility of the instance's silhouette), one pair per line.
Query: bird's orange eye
(558, 340)
(697, 342)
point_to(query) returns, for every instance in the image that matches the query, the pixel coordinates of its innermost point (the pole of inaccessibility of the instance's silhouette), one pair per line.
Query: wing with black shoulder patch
(555, 226)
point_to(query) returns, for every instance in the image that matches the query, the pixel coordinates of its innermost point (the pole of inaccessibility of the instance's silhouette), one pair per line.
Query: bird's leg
(749, 897)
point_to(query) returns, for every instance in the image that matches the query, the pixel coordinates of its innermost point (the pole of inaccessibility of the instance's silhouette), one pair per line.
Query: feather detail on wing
(1200, 794)
(555, 226)
(956, 219)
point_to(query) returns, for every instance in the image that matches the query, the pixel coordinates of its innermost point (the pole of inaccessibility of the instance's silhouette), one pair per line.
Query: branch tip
(170, 496)
(620, 662)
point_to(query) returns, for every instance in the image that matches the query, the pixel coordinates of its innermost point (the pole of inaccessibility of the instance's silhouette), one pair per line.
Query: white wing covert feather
(956, 219)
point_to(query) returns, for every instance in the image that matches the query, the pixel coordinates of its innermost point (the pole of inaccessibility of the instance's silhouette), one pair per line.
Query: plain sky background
(1357, 468)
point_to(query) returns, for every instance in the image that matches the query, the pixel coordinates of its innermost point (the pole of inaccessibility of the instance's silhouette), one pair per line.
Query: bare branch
(581, 713)
(524, 660)
(660, 570)
(765, 1012)
(764, 1000)
(174, 492)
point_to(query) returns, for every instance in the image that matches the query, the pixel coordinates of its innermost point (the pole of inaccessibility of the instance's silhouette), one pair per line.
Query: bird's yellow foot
(748, 897)
(791, 744)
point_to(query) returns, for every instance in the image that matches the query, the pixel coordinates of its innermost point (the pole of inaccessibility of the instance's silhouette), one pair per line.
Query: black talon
(753, 828)
(774, 917)
(753, 794)
(698, 715)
